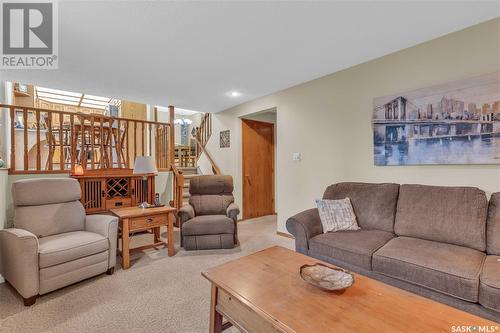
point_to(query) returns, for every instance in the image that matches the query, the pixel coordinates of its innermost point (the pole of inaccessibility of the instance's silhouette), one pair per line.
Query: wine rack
(111, 188)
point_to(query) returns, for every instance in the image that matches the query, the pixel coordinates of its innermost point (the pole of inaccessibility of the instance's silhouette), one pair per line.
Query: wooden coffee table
(263, 292)
(134, 219)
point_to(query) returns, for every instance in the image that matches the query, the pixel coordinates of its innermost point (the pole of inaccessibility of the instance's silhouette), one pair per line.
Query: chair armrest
(303, 227)
(232, 211)
(107, 226)
(186, 213)
(19, 260)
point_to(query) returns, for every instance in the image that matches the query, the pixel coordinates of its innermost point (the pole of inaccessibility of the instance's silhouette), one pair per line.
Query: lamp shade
(78, 170)
(144, 164)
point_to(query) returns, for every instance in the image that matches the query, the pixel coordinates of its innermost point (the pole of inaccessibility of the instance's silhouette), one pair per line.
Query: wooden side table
(134, 219)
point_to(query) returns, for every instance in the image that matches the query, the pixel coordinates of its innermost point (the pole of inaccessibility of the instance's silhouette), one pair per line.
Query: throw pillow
(337, 215)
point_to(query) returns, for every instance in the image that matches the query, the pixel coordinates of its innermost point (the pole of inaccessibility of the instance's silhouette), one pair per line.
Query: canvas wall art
(225, 139)
(453, 123)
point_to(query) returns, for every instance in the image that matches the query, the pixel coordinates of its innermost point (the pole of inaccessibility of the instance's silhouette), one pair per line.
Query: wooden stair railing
(202, 135)
(51, 141)
(178, 189)
(215, 167)
(203, 132)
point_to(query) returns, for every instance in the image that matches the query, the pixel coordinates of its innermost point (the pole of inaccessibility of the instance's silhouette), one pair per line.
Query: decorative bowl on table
(326, 278)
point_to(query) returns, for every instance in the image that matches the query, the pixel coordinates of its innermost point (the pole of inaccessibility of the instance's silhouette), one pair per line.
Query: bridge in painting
(392, 131)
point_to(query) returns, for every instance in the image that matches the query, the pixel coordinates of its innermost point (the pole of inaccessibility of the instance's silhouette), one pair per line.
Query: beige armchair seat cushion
(208, 225)
(61, 248)
(489, 290)
(447, 268)
(354, 247)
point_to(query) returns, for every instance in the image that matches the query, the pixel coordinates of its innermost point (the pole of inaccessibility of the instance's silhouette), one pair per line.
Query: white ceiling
(192, 54)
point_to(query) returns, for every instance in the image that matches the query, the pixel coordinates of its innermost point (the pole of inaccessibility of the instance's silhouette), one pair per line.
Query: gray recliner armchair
(209, 220)
(53, 244)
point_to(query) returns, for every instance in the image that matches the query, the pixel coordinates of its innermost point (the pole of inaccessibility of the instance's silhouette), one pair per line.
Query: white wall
(163, 116)
(163, 186)
(328, 120)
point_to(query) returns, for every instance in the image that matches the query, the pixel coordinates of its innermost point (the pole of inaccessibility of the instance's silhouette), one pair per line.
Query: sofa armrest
(107, 226)
(186, 213)
(304, 226)
(232, 211)
(19, 260)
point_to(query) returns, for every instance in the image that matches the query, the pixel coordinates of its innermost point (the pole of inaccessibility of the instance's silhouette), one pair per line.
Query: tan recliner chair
(53, 244)
(209, 220)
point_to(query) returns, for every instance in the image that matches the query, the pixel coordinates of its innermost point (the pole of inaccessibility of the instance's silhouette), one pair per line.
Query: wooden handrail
(203, 133)
(177, 189)
(107, 118)
(215, 168)
(205, 129)
(93, 141)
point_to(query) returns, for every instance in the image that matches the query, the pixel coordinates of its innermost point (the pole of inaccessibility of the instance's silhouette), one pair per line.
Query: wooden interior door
(258, 168)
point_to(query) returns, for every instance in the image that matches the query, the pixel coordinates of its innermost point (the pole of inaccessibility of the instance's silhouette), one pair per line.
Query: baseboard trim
(284, 234)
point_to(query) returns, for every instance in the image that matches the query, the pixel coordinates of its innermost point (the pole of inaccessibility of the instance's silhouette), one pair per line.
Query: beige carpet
(157, 294)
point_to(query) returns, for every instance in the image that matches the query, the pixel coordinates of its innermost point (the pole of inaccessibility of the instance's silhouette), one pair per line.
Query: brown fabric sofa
(440, 242)
(489, 285)
(53, 244)
(209, 220)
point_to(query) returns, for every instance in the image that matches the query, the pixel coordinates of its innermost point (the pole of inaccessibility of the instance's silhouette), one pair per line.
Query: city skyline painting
(452, 123)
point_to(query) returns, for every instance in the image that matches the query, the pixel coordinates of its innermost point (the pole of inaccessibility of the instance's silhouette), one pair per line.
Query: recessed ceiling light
(235, 93)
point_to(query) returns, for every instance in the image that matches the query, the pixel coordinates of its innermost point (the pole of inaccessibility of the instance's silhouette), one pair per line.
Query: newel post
(171, 131)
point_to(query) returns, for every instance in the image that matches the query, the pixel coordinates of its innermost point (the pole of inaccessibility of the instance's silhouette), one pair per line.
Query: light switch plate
(296, 156)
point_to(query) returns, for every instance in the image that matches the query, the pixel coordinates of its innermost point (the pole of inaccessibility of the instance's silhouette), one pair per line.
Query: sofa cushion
(489, 288)
(374, 204)
(61, 248)
(493, 225)
(351, 247)
(208, 242)
(337, 215)
(450, 269)
(454, 215)
(211, 184)
(208, 225)
(211, 195)
(210, 204)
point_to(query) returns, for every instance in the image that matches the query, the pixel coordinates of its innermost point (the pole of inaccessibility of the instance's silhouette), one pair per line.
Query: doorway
(258, 168)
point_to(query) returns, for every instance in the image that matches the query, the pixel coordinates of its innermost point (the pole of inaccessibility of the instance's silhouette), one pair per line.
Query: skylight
(179, 111)
(74, 99)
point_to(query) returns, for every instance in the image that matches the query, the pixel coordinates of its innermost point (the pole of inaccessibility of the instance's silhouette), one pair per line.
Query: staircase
(182, 173)
(188, 173)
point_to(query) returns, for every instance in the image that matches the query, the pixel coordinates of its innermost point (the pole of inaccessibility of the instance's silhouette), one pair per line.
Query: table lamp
(144, 165)
(78, 170)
